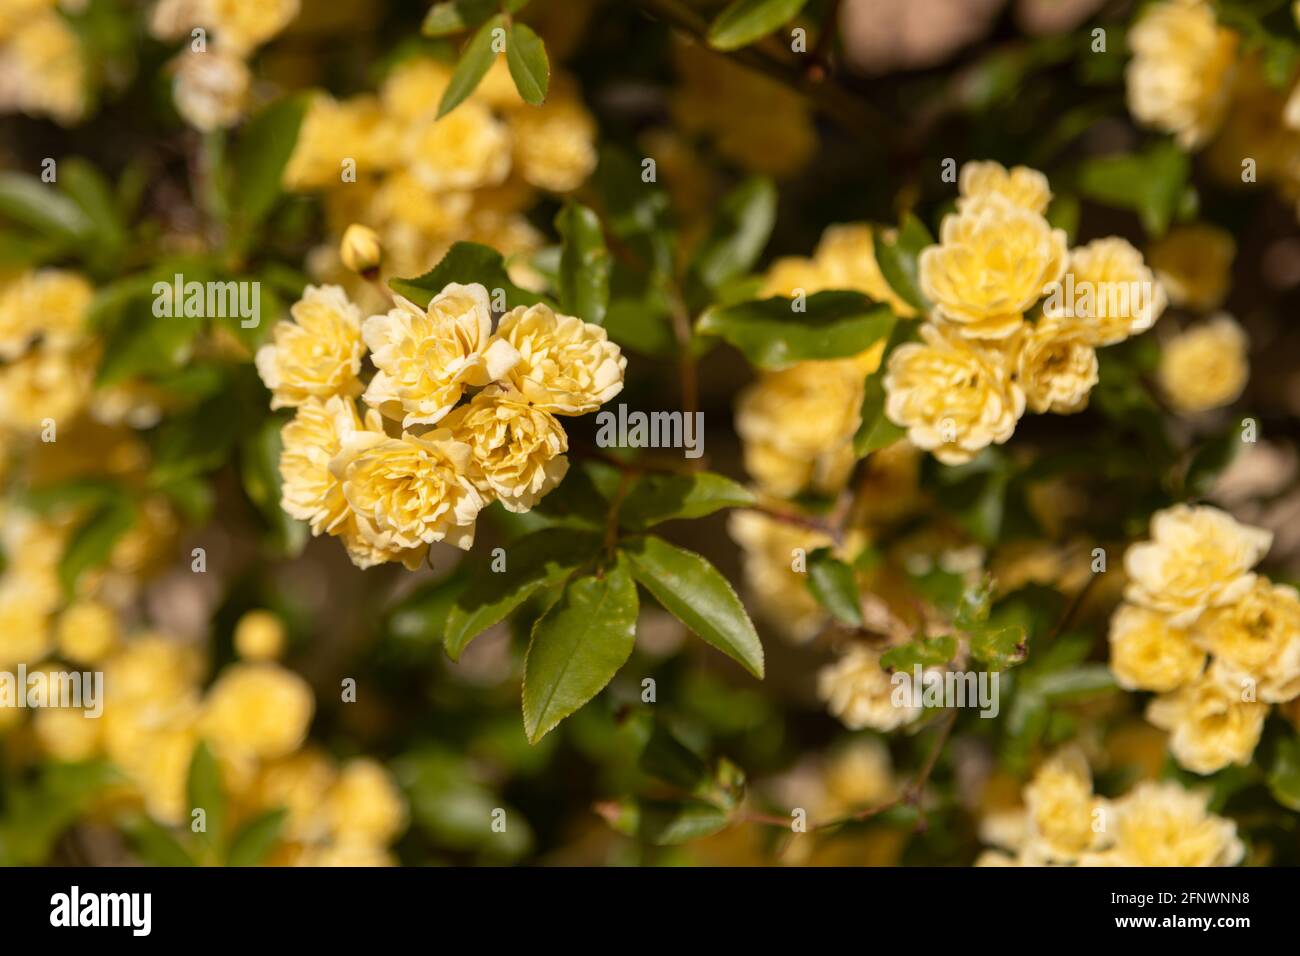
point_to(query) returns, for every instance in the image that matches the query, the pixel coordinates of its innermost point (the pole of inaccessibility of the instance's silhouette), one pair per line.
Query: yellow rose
(518, 449)
(211, 89)
(427, 357)
(846, 256)
(953, 397)
(1022, 187)
(68, 734)
(87, 631)
(555, 143)
(767, 554)
(1197, 558)
(1146, 653)
(1056, 368)
(258, 710)
(468, 148)
(43, 69)
(411, 491)
(1210, 724)
(1194, 265)
(318, 354)
(404, 201)
(994, 261)
(309, 491)
(566, 366)
(1062, 810)
(1161, 824)
(24, 627)
(241, 26)
(859, 692)
(859, 774)
(1180, 76)
(152, 670)
(413, 88)
(1258, 637)
(364, 807)
(45, 303)
(298, 783)
(333, 136)
(259, 636)
(1205, 367)
(45, 384)
(1108, 293)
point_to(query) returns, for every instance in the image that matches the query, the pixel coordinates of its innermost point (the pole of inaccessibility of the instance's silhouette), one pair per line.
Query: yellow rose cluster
(254, 716)
(1017, 317)
(42, 64)
(1218, 642)
(212, 80)
(457, 414)
(1062, 823)
(422, 182)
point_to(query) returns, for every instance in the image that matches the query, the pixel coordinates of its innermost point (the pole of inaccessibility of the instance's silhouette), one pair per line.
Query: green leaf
(654, 498)
(92, 542)
(1284, 774)
(528, 63)
(155, 843)
(454, 16)
(36, 814)
(263, 151)
(29, 202)
(256, 839)
(1086, 680)
(999, 647)
(466, 263)
(584, 264)
(899, 259)
(833, 584)
(538, 560)
(203, 791)
(745, 21)
(744, 224)
(145, 345)
(875, 431)
(420, 619)
(259, 469)
(923, 651)
(1211, 459)
(577, 646)
(93, 194)
(772, 334)
(668, 759)
(50, 499)
(475, 60)
(1152, 183)
(664, 822)
(693, 591)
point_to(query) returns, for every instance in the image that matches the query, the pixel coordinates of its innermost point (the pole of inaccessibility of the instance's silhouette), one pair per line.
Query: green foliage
(465, 262)
(584, 264)
(529, 66)
(744, 21)
(774, 332)
(834, 585)
(475, 60)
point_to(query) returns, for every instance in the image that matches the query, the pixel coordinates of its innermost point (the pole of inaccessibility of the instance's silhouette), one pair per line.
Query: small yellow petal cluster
(1017, 317)
(43, 66)
(1062, 822)
(1194, 265)
(459, 415)
(1180, 77)
(1205, 366)
(1193, 598)
(859, 691)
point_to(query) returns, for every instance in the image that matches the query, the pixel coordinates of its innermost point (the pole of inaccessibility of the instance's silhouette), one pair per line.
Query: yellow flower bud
(87, 631)
(361, 250)
(259, 636)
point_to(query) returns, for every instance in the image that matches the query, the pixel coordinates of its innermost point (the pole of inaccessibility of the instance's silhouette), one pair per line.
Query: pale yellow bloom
(1180, 76)
(211, 89)
(68, 734)
(42, 67)
(318, 354)
(1161, 824)
(555, 143)
(411, 491)
(1258, 637)
(1147, 653)
(1206, 366)
(1022, 187)
(1194, 265)
(1211, 724)
(309, 491)
(1056, 367)
(860, 774)
(24, 626)
(847, 258)
(1107, 293)
(298, 783)
(338, 138)
(259, 710)
(1063, 815)
(566, 366)
(953, 397)
(243, 25)
(518, 449)
(1197, 558)
(361, 249)
(767, 553)
(468, 148)
(49, 303)
(87, 632)
(259, 636)
(45, 384)
(792, 276)
(364, 807)
(427, 357)
(994, 261)
(859, 692)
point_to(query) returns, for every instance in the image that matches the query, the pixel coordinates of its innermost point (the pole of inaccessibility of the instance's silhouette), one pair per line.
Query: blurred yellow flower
(1258, 637)
(1161, 824)
(566, 366)
(339, 138)
(1056, 367)
(364, 807)
(211, 89)
(1147, 653)
(1108, 292)
(1194, 264)
(46, 303)
(1205, 366)
(42, 65)
(1022, 187)
(858, 691)
(469, 148)
(87, 632)
(767, 555)
(241, 26)
(555, 143)
(257, 709)
(1211, 724)
(318, 354)
(259, 636)
(846, 257)
(1063, 815)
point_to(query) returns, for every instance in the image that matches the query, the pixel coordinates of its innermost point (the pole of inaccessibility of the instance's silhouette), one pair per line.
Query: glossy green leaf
(256, 839)
(475, 60)
(584, 264)
(772, 334)
(693, 591)
(29, 202)
(654, 498)
(262, 154)
(1284, 774)
(529, 66)
(577, 647)
(203, 792)
(920, 651)
(465, 262)
(744, 21)
(875, 430)
(835, 587)
(898, 257)
(93, 540)
(1151, 183)
(664, 822)
(744, 223)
